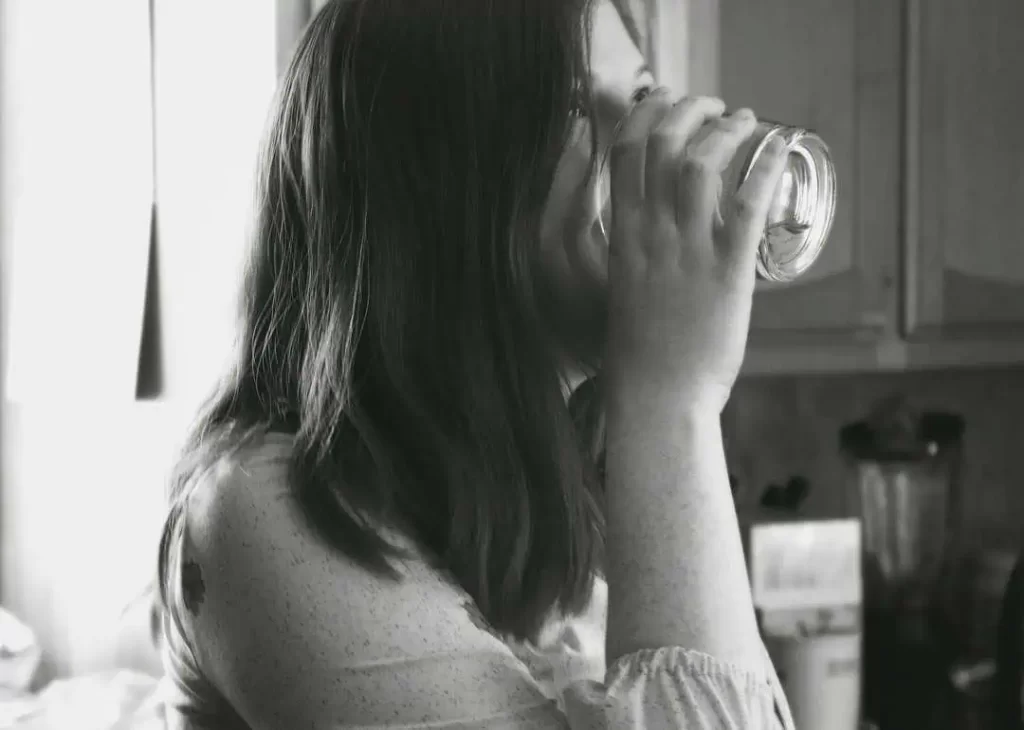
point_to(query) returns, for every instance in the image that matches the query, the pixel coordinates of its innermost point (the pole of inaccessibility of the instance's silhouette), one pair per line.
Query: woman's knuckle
(743, 207)
(696, 167)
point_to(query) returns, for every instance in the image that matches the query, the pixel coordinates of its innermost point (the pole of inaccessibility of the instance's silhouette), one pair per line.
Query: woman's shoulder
(237, 481)
(250, 565)
(284, 626)
(242, 518)
(241, 478)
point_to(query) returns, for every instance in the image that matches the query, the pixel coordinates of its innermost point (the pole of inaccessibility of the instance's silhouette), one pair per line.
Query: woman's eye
(641, 93)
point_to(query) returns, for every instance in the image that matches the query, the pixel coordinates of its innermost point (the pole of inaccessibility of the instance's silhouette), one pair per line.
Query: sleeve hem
(677, 659)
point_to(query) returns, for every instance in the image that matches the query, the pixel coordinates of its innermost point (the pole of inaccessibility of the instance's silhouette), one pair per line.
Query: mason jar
(802, 211)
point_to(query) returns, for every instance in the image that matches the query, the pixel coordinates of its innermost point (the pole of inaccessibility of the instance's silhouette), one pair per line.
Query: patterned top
(268, 627)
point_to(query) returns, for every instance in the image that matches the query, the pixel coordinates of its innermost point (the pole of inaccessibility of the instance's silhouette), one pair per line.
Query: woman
(386, 507)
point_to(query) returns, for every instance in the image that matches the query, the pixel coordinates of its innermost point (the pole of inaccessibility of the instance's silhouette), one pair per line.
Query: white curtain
(76, 170)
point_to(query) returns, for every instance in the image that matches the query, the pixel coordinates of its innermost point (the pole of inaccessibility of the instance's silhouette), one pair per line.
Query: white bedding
(115, 700)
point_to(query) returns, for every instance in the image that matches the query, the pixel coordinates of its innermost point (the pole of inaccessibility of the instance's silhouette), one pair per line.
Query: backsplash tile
(778, 427)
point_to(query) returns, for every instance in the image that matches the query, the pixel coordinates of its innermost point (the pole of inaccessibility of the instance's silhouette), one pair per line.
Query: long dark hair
(390, 317)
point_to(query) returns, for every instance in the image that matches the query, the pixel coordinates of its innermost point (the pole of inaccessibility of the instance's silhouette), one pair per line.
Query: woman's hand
(682, 260)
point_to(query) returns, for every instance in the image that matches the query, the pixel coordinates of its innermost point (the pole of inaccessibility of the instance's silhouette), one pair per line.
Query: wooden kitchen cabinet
(965, 182)
(920, 103)
(831, 66)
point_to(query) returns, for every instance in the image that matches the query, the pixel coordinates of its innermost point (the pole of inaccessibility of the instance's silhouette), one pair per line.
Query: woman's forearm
(675, 566)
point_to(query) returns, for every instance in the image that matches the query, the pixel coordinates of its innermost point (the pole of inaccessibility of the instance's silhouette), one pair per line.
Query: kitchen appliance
(903, 471)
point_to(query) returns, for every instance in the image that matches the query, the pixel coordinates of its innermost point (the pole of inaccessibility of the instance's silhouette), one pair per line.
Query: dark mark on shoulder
(193, 590)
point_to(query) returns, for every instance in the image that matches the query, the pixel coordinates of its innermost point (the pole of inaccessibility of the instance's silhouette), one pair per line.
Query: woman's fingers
(699, 179)
(668, 144)
(747, 210)
(666, 166)
(627, 156)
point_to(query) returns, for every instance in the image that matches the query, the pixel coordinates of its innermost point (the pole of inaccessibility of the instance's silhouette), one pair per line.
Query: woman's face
(573, 249)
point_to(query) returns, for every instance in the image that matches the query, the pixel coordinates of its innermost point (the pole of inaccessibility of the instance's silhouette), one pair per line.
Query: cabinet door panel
(832, 66)
(966, 170)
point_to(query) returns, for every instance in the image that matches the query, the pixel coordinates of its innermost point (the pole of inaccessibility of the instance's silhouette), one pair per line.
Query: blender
(903, 471)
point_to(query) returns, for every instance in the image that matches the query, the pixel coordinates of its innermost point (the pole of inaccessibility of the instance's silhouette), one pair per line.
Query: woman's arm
(681, 275)
(675, 564)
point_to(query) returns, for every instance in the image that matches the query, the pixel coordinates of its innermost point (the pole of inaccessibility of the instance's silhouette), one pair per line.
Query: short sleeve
(650, 690)
(673, 688)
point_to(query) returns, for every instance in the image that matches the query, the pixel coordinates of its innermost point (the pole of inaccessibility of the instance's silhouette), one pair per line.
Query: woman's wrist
(646, 399)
